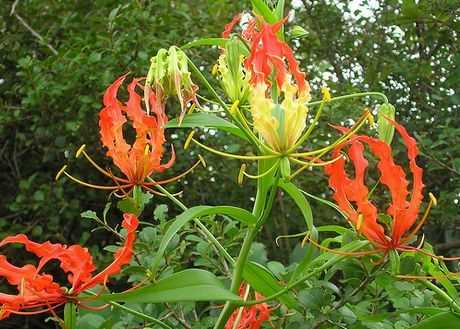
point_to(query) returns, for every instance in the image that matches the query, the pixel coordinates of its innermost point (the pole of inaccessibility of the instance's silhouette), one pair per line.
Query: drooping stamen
(81, 151)
(241, 174)
(337, 251)
(343, 138)
(433, 202)
(269, 170)
(189, 139)
(79, 181)
(414, 249)
(312, 163)
(234, 156)
(175, 178)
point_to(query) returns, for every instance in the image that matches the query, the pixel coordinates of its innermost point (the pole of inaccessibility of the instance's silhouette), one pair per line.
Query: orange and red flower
(249, 317)
(139, 160)
(352, 194)
(37, 292)
(270, 55)
(143, 157)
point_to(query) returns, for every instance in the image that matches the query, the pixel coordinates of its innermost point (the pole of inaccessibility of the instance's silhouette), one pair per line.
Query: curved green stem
(202, 227)
(369, 93)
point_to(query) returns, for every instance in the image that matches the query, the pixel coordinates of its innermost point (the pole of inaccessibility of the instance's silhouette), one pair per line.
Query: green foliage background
(49, 102)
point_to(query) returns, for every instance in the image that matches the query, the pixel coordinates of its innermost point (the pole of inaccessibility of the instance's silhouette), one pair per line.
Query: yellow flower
(280, 125)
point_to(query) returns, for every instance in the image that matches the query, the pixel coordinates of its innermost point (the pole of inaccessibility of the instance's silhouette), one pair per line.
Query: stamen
(60, 172)
(99, 168)
(80, 150)
(312, 163)
(175, 178)
(347, 135)
(338, 252)
(359, 223)
(370, 119)
(432, 203)
(189, 139)
(297, 235)
(100, 187)
(275, 165)
(241, 174)
(234, 156)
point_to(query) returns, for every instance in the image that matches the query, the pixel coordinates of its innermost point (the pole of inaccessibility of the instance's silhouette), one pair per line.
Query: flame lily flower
(249, 317)
(141, 159)
(278, 98)
(352, 194)
(38, 293)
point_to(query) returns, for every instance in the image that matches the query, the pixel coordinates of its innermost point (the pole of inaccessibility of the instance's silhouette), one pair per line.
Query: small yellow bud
(80, 151)
(326, 94)
(60, 172)
(241, 174)
(189, 139)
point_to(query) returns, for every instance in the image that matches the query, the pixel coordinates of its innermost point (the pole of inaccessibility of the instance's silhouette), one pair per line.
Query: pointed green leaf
(446, 320)
(188, 285)
(239, 214)
(206, 120)
(70, 316)
(262, 280)
(261, 8)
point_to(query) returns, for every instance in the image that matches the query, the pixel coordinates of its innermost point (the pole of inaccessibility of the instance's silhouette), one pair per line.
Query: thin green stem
(261, 210)
(202, 227)
(135, 313)
(369, 93)
(441, 293)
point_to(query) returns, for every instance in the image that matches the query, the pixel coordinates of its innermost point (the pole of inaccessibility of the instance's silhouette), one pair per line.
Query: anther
(202, 160)
(433, 199)
(241, 174)
(189, 139)
(80, 151)
(326, 94)
(234, 107)
(60, 172)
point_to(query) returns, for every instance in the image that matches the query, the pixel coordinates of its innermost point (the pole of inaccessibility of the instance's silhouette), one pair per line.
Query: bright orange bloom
(270, 54)
(143, 157)
(37, 292)
(250, 317)
(352, 194)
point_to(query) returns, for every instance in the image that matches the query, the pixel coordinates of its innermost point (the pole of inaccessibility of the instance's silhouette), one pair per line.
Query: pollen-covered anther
(60, 172)
(326, 94)
(202, 161)
(370, 118)
(189, 139)
(80, 151)
(241, 174)
(433, 199)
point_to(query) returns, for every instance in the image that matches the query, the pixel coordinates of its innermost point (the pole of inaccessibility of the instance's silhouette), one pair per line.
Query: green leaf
(385, 129)
(221, 42)
(261, 8)
(90, 214)
(305, 209)
(188, 285)
(262, 280)
(446, 320)
(70, 316)
(207, 120)
(239, 214)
